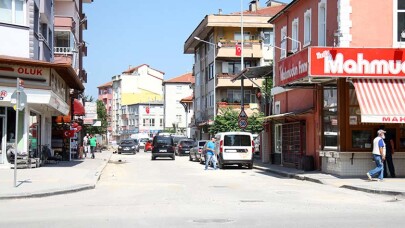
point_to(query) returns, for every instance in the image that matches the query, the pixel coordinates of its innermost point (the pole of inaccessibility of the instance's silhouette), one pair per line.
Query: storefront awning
(381, 100)
(78, 108)
(287, 114)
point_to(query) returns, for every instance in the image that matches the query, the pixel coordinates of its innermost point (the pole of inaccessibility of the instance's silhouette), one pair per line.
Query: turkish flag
(69, 133)
(147, 110)
(238, 50)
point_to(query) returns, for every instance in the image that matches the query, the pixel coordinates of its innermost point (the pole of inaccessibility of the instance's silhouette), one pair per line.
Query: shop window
(402, 138)
(362, 139)
(330, 119)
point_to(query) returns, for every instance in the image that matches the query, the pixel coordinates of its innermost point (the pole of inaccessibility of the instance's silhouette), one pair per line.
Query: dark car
(177, 138)
(184, 146)
(197, 151)
(128, 146)
(163, 146)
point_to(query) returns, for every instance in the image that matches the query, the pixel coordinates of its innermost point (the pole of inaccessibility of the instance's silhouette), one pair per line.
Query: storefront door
(277, 157)
(2, 139)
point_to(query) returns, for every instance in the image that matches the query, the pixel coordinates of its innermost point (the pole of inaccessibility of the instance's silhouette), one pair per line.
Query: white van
(234, 148)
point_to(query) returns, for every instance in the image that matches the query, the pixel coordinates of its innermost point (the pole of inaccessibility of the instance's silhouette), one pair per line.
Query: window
(178, 118)
(234, 67)
(160, 122)
(12, 11)
(322, 23)
(152, 122)
(235, 96)
(238, 37)
(211, 71)
(277, 107)
(146, 122)
(179, 88)
(294, 32)
(283, 45)
(400, 19)
(330, 119)
(307, 27)
(63, 41)
(268, 37)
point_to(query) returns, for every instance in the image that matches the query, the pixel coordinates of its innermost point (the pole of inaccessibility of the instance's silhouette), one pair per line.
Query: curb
(304, 178)
(73, 189)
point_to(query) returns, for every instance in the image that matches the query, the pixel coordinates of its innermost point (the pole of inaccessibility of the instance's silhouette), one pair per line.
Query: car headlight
(133, 147)
(119, 147)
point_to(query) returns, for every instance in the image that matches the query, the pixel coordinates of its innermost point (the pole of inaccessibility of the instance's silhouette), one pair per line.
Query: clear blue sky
(134, 32)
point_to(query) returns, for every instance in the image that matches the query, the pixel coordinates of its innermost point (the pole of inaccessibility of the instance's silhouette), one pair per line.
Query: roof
(131, 70)
(65, 70)
(265, 11)
(108, 84)
(282, 11)
(188, 99)
(185, 78)
(254, 72)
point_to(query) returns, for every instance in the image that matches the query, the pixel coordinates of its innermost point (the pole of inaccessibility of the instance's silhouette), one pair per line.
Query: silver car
(196, 153)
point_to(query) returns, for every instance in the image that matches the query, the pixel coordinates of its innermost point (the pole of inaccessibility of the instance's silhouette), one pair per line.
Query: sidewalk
(389, 186)
(53, 179)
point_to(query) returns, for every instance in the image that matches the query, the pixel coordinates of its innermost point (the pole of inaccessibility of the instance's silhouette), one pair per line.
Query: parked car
(234, 148)
(177, 138)
(197, 151)
(256, 140)
(184, 146)
(128, 146)
(148, 146)
(142, 142)
(163, 146)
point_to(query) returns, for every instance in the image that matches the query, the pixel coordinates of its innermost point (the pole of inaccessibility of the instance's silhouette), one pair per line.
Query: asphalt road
(138, 192)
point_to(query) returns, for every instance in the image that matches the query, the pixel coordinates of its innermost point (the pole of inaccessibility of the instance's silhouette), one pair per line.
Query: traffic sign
(22, 101)
(242, 114)
(242, 123)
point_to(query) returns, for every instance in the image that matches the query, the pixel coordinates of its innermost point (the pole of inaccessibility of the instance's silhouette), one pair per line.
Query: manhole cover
(205, 221)
(252, 201)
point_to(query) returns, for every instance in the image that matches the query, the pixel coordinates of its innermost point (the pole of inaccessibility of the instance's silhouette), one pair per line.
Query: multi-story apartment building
(105, 94)
(143, 118)
(174, 90)
(27, 54)
(337, 80)
(214, 43)
(141, 84)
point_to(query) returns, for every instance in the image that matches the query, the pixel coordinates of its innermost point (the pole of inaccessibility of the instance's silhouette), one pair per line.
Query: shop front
(355, 92)
(47, 87)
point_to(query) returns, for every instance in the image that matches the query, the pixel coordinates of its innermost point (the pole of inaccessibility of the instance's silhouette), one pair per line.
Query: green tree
(101, 116)
(228, 121)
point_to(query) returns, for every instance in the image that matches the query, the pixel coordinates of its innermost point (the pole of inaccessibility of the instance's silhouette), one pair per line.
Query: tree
(228, 121)
(101, 116)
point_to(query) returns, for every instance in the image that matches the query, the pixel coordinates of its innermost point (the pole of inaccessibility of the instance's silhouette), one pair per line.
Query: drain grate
(205, 221)
(252, 201)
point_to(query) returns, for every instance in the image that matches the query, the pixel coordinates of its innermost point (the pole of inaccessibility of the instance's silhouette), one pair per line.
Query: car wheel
(220, 165)
(153, 158)
(174, 157)
(190, 158)
(250, 166)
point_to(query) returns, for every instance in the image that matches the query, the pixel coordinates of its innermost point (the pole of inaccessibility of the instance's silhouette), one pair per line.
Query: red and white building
(339, 74)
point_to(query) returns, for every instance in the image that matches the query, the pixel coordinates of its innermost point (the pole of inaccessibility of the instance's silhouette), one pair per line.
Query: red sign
(69, 133)
(147, 109)
(357, 62)
(238, 50)
(292, 68)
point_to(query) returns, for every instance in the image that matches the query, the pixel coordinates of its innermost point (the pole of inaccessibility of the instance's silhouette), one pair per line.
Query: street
(136, 192)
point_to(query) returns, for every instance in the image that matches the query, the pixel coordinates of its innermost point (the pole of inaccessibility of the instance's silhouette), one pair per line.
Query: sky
(138, 32)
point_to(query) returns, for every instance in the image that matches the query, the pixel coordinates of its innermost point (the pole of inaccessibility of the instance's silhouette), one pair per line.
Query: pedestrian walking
(378, 155)
(389, 145)
(93, 144)
(86, 145)
(210, 153)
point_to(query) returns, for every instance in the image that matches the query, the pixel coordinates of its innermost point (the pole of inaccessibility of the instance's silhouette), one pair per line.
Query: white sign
(91, 110)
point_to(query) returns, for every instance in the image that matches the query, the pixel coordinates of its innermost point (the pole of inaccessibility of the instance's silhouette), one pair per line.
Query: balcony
(224, 80)
(249, 108)
(251, 49)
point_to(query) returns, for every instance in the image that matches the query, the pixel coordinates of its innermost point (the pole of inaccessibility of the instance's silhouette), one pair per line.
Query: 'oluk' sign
(357, 62)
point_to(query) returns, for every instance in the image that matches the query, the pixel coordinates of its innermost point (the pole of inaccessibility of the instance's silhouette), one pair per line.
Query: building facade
(105, 94)
(331, 71)
(175, 89)
(215, 44)
(47, 88)
(141, 84)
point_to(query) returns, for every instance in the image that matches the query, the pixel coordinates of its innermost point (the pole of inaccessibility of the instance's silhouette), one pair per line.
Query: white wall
(14, 42)
(172, 104)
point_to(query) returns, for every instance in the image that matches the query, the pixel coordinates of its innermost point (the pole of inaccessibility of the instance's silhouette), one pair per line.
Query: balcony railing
(63, 50)
(251, 48)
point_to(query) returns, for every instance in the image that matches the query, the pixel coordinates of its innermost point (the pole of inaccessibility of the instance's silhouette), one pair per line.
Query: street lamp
(215, 82)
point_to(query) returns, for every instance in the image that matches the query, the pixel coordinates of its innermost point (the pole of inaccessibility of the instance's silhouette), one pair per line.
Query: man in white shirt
(86, 145)
(379, 156)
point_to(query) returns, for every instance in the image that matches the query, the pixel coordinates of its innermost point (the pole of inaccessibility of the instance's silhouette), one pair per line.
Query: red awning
(78, 108)
(381, 100)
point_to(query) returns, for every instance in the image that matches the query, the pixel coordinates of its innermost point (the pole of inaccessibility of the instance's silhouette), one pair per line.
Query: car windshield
(186, 143)
(143, 140)
(201, 143)
(237, 140)
(127, 142)
(163, 141)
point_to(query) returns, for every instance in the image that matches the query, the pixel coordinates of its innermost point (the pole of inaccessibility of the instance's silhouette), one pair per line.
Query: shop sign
(3, 95)
(357, 62)
(292, 68)
(33, 76)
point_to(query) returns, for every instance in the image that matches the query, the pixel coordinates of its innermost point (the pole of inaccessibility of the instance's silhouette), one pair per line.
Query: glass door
(2, 140)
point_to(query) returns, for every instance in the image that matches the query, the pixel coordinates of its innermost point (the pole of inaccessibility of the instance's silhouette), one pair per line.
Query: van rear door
(237, 147)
